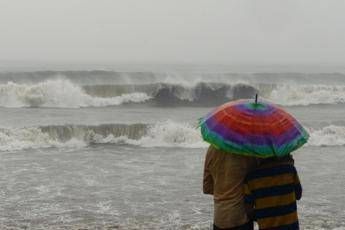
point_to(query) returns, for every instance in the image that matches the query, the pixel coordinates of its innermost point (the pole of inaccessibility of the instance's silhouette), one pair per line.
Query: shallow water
(124, 187)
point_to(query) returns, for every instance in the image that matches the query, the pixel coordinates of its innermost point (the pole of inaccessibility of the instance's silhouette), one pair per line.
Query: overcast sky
(173, 31)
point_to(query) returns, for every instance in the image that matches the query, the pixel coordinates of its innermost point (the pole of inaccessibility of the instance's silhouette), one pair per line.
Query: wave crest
(164, 94)
(161, 134)
(63, 93)
(58, 93)
(308, 95)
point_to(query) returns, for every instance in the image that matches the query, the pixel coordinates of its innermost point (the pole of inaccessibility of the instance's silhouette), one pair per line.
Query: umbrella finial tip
(256, 98)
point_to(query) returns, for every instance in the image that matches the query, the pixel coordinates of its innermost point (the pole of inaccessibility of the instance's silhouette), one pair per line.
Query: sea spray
(304, 95)
(58, 93)
(160, 134)
(61, 92)
(33, 138)
(206, 93)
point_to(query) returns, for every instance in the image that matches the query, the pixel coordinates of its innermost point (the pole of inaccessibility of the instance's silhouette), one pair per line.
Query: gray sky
(173, 31)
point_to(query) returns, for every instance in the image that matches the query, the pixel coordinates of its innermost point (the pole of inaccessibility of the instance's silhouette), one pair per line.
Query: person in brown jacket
(224, 175)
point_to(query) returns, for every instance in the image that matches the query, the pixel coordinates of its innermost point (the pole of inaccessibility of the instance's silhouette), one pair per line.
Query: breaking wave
(308, 94)
(95, 88)
(212, 94)
(161, 134)
(63, 93)
(58, 93)
(201, 94)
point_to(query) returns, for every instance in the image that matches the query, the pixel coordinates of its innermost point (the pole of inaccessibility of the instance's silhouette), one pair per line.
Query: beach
(103, 149)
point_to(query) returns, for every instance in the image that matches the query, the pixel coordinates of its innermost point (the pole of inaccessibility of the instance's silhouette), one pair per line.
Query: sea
(111, 149)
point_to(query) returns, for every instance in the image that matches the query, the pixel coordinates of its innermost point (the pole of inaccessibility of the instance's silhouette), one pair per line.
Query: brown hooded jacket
(224, 174)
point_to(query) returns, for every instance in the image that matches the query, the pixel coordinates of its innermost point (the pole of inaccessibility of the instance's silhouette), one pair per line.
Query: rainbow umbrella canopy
(248, 127)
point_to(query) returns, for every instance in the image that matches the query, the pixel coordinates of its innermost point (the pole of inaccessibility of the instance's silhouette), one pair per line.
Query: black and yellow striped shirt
(273, 189)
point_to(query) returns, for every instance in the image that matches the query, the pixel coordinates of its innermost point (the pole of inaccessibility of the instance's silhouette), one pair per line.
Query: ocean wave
(292, 95)
(201, 94)
(163, 93)
(212, 94)
(59, 93)
(161, 134)
(32, 138)
(198, 94)
(64, 93)
(327, 136)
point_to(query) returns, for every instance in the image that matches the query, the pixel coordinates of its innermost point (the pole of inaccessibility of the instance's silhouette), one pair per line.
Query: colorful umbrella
(252, 128)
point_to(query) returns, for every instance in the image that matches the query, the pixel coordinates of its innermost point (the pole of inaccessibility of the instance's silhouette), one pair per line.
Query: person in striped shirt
(271, 191)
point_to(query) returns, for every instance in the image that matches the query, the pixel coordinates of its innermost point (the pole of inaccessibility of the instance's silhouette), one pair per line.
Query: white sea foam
(59, 93)
(327, 136)
(63, 93)
(32, 138)
(161, 134)
(307, 94)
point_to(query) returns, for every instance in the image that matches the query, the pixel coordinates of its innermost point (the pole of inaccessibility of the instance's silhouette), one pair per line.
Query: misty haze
(100, 103)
